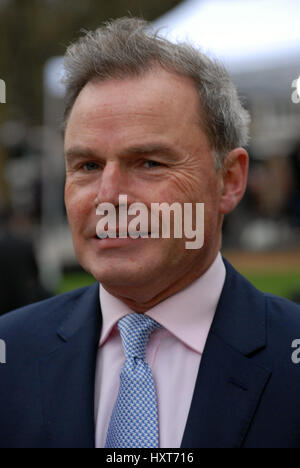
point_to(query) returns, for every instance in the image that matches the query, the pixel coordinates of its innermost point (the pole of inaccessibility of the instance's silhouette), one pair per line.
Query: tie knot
(135, 330)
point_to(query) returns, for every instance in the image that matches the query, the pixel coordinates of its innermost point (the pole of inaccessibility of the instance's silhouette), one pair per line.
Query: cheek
(184, 186)
(194, 183)
(79, 205)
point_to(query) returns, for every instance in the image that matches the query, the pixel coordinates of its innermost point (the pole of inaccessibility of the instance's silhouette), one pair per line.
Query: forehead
(156, 98)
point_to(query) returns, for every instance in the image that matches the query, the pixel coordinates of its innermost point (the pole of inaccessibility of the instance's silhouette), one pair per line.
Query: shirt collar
(188, 314)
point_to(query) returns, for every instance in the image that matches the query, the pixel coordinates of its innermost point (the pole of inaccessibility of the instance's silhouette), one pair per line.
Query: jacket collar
(240, 318)
(81, 310)
(67, 373)
(231, 378)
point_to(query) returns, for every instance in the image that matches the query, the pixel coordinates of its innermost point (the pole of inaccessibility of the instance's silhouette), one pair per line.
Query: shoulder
(281, 319)
(283, 307)
(280, 315)
(283, 316)
(39, 316)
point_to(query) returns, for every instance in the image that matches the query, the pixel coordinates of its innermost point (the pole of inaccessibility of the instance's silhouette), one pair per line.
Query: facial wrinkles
(182, 182)
(113, 112)
(108, 129)
(108, 137)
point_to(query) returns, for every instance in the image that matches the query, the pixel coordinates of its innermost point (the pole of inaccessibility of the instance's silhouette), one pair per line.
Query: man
(213, 363)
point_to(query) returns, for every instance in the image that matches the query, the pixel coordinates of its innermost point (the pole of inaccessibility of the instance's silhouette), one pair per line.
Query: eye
(89, 166)
(151, 164)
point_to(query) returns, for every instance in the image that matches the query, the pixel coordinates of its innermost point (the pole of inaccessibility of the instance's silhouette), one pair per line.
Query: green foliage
(285, 284)
(71, 281)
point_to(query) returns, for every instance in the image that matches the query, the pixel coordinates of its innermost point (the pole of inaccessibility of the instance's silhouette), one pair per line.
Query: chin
(117, 276)
(116, 269)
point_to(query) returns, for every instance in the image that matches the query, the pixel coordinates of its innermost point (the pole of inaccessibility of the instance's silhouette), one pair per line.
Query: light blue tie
(134, 422)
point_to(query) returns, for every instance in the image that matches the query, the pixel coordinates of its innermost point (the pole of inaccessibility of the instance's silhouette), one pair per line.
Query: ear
(235, 174)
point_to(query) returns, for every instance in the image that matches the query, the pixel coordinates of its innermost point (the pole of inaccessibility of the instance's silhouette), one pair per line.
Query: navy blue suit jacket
(247, 392)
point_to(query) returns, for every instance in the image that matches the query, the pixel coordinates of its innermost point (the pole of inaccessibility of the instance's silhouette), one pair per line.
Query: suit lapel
(68, 374)
(229, 383)
(228, 387)
(226, 395)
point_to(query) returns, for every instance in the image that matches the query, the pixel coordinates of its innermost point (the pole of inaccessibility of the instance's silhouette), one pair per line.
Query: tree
(31, 31)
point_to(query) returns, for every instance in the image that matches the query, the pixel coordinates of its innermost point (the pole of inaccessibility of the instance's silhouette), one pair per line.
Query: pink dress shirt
(173, 353)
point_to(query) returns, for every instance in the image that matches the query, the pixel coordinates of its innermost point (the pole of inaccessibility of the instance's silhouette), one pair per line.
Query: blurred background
(259, 43)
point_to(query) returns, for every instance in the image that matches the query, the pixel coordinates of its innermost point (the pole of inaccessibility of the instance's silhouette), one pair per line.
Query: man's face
(140, 137)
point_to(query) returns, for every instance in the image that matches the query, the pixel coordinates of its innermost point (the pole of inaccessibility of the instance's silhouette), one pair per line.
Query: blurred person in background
(204, 358)
(19, 275)
(294, 201)
(293, 206)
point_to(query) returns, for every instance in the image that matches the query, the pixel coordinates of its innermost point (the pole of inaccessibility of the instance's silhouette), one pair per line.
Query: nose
(112, 184)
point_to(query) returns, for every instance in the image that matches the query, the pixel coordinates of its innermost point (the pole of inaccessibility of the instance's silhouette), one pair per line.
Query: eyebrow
(76, 152)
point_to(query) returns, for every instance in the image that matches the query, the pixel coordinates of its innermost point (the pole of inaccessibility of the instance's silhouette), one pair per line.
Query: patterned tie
(134, 422)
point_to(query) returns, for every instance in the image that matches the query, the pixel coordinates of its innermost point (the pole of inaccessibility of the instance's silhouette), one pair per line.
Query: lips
(115, 235)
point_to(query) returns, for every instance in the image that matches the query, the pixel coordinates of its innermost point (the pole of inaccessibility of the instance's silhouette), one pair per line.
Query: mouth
(116, 235)
(117, 242)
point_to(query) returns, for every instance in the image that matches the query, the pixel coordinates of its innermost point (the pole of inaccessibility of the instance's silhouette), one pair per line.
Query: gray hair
(127, 47)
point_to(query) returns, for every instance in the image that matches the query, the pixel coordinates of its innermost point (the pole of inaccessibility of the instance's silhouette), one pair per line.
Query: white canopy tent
(248, 36)
(244, 34)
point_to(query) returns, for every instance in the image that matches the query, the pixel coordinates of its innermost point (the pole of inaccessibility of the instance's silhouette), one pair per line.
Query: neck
(142, 299)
